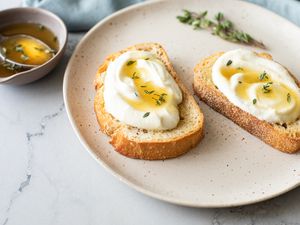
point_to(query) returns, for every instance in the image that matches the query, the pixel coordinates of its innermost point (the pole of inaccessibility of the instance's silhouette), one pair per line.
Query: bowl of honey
(32, 42)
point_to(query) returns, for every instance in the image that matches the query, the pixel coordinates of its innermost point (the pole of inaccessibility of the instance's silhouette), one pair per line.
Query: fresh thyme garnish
(288, 97)
(240, 68)
(130, 62)
(136, 94)
(134, 76)
(146, 114)
(240, 82)
(24, 57)
(161, 98)
(254, 101)
(143, 86)
(263, 76)
(19, 48)
(148, 92)
(157, 101)
(229, 62)
(266, 87)
(10, 66)
(147, 58)
(219, 26)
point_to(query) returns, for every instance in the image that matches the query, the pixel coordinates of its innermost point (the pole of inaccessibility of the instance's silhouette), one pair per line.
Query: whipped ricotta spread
(257, 85)
(139, 91)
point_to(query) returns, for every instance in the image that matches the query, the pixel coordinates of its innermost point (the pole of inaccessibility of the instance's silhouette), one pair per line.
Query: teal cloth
(83, 14)
(289, 9)
(80, 15)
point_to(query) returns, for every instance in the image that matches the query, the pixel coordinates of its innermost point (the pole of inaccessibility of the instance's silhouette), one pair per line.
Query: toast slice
(149, 144)
(285, 138)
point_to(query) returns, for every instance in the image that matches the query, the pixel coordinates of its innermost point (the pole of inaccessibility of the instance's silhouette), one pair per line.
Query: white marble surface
(46, 176)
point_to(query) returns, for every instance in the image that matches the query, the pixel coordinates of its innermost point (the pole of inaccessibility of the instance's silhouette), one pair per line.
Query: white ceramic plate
(229, 167)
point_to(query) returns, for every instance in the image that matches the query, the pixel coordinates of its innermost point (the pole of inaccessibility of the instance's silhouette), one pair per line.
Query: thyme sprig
(220, 26)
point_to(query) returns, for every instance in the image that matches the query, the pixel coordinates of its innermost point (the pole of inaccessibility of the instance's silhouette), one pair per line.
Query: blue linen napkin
(80, 15)
(289, 9)
(83, 14)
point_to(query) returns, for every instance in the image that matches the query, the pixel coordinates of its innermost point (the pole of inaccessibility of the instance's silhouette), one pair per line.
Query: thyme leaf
(288, 97)
(229, 62)
(134, 76)
(19, 48)
(130, 62)
(148, 92)
(24, 57)
(146, 114)
(263, 76)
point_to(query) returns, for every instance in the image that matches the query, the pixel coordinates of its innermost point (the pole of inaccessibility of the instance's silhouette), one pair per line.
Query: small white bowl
(46, 18)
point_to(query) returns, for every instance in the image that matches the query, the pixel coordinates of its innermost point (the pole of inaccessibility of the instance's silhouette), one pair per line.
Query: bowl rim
(61, 49)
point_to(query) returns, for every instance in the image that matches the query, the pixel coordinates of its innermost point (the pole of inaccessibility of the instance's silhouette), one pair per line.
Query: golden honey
(23, 49)
(149, 95)
(269, 91)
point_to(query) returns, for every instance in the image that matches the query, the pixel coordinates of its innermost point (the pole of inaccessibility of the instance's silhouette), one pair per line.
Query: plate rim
(129, 183)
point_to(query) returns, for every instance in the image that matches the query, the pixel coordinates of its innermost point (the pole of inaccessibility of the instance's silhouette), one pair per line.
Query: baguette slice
(285, 138)
(148, 144)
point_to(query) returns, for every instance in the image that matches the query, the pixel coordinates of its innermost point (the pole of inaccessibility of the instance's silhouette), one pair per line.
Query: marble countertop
(46, 176)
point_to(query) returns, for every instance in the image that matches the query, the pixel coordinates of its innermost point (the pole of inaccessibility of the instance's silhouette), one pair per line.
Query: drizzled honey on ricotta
(257, 85)
(139, 91)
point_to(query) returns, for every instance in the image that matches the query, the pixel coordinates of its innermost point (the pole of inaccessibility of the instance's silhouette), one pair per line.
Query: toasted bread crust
(150, 150)
(267, 132)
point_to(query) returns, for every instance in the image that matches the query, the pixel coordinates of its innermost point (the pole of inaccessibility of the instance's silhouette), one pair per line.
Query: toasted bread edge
(265, 131)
